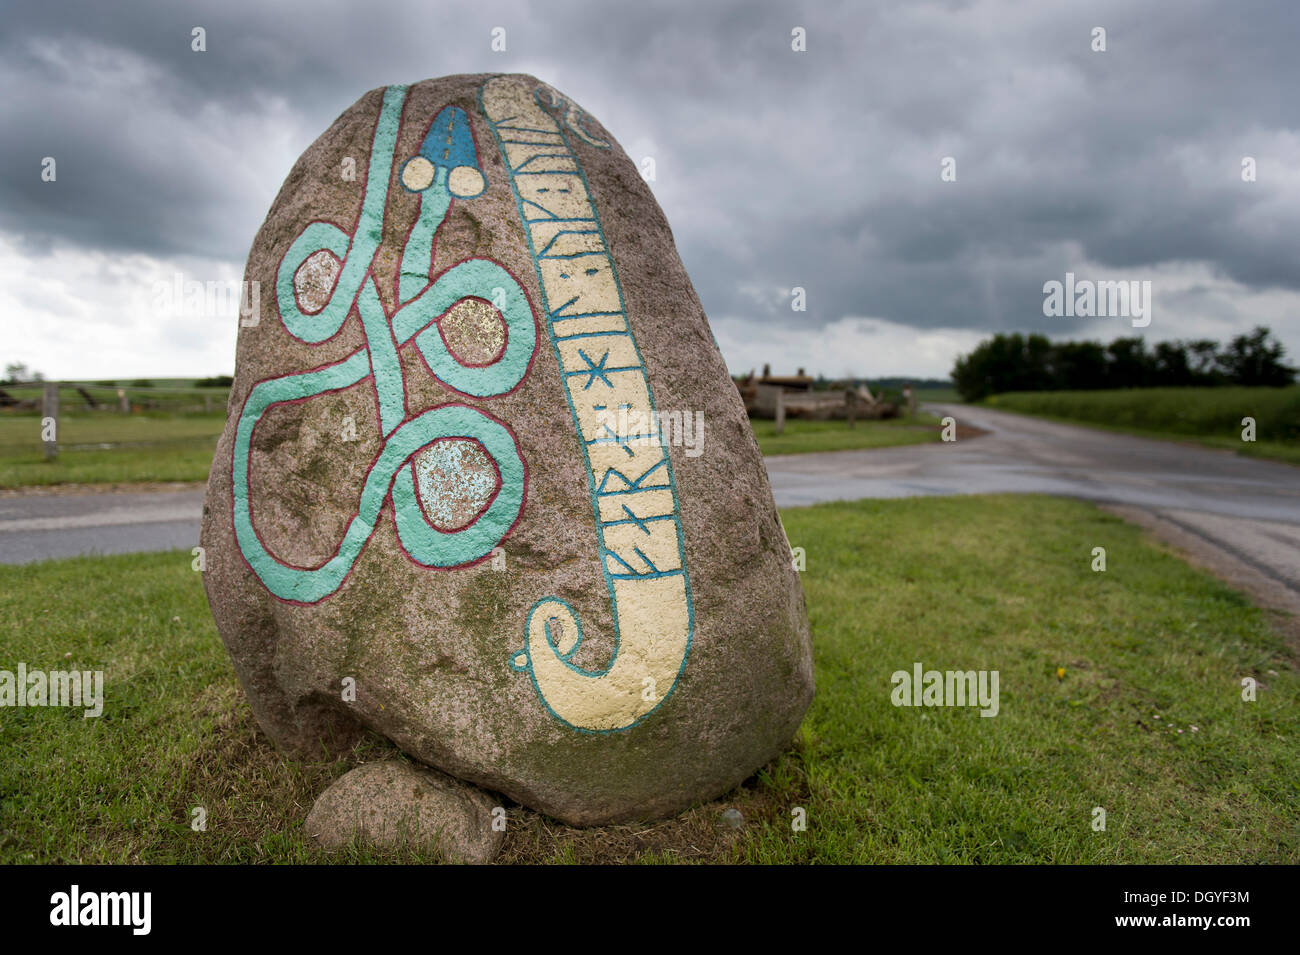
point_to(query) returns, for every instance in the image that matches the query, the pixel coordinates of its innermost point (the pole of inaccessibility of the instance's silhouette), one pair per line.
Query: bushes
(216, 381)
(1013, 363)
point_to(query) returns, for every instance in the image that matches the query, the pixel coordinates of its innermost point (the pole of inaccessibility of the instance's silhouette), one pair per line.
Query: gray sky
(776, 169)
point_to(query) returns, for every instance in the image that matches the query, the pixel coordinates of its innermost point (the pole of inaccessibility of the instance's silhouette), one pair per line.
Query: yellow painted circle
(417, 174)
(465, 182)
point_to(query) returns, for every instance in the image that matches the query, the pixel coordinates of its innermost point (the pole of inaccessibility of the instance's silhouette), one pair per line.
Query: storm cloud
(777, 169)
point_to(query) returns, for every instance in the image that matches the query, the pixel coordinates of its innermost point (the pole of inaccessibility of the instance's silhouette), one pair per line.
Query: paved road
(37, 526)
(1239, 516)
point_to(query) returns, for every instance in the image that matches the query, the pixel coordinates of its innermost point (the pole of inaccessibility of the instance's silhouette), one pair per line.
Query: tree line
(1035, 363)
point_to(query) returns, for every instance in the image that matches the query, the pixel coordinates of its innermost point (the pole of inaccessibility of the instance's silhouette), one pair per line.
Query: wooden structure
(780, 396)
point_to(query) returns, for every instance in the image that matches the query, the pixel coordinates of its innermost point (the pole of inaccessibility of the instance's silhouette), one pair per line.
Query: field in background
(108, 448)
(171, 433)
(1211, 416)
(946, 396)
(161, 429)
(170, 395)
(802, 437)
(1119, 690)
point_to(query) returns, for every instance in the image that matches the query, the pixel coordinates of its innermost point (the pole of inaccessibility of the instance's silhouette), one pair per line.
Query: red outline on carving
(342, 263)
(251, 517)
(433, 242)
(373, 390)
(298, 302)
(505, 338)
(537, 333)
(387, 503)
(351, 233)
(523, 501)
(482, 509)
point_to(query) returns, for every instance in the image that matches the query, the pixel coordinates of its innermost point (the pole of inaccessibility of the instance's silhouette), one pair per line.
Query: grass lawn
(1208, 416)
(947, 396)
(804, 436)
(1147, 720)
(109, 448)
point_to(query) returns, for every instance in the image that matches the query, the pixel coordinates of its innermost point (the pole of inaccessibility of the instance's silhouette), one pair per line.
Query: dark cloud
(776, 169)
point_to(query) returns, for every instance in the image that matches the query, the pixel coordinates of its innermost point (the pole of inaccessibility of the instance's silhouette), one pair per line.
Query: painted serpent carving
(446, 166)
(630, 479)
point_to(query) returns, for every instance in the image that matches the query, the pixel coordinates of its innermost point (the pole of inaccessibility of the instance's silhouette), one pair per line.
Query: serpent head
(447, 158)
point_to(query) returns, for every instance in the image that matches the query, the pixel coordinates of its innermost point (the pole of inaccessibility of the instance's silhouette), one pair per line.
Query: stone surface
(441, 508)
(391, 804)
(732, 819)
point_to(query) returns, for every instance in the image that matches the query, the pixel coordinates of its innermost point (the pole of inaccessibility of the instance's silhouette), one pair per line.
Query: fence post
(780, 410)
(50, 420)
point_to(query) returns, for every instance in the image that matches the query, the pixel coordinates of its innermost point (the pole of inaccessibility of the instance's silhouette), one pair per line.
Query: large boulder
(486, 487)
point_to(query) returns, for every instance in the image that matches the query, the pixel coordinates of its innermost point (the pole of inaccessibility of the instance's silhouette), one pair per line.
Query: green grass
(807, 436)
(137, 447)
(169, 395)
(107, 447)
(942, 395)
(110, 448)
(1149, 647)
(1211, 416)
